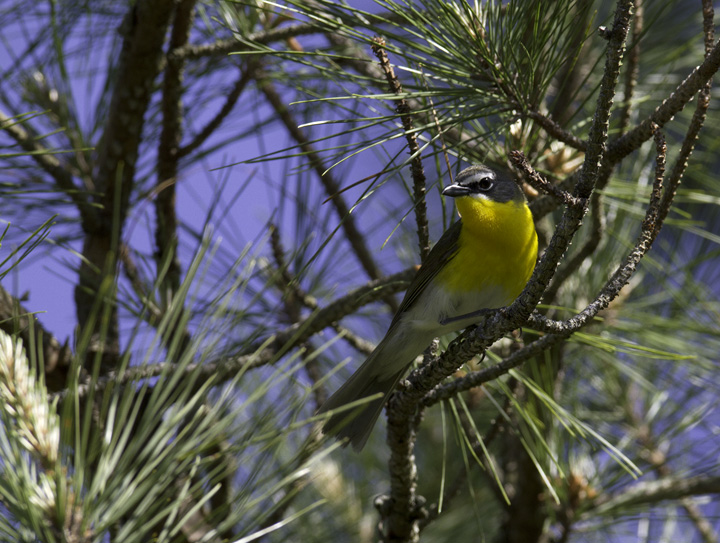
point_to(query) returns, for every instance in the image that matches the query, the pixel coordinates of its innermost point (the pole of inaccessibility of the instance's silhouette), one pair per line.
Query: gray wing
(443, 251)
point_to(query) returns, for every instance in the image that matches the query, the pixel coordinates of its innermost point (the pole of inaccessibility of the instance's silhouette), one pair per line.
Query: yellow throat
(497, 247)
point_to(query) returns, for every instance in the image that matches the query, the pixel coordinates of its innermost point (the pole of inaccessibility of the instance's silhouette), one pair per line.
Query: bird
(481, 263)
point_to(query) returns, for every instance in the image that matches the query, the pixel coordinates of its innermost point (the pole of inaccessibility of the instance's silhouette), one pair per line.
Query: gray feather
(384, 368)
(377, 376)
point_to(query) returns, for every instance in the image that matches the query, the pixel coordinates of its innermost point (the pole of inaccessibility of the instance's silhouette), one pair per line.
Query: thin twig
(282, 342)
(632, 67)
(546, 203)
(644, 493)
(559, 330)
(416, 166)
(331, 185)
(538, 182)
(230, 100)
(60, 172)
(438, 128)
(685, 91)
(696, 123)
(557, 131)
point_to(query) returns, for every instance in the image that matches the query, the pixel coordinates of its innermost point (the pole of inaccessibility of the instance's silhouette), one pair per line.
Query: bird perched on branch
(482, 262)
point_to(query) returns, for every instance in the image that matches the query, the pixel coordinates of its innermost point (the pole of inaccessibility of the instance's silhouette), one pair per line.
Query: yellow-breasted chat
(481, 262)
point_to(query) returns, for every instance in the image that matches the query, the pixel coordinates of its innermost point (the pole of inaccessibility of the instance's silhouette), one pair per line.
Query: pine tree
(235, 195)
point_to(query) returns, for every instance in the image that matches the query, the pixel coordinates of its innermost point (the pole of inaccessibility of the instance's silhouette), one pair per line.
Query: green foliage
(203, 427)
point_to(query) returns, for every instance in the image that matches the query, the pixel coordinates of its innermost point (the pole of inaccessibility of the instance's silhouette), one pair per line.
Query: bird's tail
(356, 424)
(377, 376)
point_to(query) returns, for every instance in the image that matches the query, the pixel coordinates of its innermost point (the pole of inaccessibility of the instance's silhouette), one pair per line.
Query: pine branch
(166, 235)
(331, 185)
(621, 147)
(61, 173)
(143, 30)
(568, 268)
(469, 344)
(556, 131)
(654, 492)
(676, 102)
(632, 66)
(273, 349)
(361, 63)
(597, 137)
(658, 460)
(416, 167)
(697, 121)
(247, 43)
(461, 479)
(245, 77)
(16, 319)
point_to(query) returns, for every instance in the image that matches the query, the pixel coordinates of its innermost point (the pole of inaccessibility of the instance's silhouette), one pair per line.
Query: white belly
(433, 307)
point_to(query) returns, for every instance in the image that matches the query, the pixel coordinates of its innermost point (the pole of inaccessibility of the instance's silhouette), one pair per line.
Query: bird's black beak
(455, 190)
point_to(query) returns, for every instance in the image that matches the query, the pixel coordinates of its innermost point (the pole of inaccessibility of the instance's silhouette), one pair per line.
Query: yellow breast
(497, 249)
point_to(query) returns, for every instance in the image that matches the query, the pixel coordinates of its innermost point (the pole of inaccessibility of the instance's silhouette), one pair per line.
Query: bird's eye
(484, 184)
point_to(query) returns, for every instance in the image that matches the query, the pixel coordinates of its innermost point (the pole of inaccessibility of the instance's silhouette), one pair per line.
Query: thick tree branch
(166, 235)
(144, 30)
